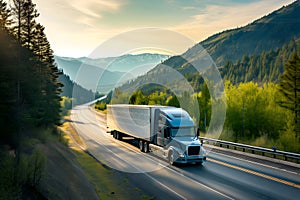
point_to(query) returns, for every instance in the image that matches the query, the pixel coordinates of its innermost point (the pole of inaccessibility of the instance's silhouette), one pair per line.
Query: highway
(223, 176)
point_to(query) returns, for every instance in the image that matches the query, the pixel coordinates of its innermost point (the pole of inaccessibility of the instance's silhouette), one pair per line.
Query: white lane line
(256, 173)
(207, 187)
(256, 163)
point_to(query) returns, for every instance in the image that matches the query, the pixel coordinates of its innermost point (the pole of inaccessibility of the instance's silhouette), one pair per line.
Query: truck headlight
(203, 152)
(181, 155)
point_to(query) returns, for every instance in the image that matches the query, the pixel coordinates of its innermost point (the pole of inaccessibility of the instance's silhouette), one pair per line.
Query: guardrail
(287, 156)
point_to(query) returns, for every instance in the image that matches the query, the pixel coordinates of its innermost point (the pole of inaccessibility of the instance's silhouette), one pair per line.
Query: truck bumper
(191, 160)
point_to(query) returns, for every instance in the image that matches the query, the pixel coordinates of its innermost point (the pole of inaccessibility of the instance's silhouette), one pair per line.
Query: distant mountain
(125, 63)
(113, 71)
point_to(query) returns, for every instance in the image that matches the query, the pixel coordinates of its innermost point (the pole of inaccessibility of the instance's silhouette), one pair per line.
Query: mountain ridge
(265, 33)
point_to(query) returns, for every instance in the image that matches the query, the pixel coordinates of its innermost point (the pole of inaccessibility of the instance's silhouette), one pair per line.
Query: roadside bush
(100, 106)
(18, 176)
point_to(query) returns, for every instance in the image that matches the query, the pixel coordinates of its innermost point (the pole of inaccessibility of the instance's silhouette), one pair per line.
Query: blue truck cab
(178, 135)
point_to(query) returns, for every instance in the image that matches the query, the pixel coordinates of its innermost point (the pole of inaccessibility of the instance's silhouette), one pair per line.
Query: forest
(30, 99)
(263, 68)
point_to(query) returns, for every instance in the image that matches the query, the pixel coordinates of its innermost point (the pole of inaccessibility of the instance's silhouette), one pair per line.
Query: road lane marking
(256, 163)
(255, 173)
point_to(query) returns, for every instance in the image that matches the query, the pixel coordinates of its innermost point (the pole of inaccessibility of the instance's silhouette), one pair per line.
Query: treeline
(160, 95)
(263, 68)
(29, 96)
(253, 113)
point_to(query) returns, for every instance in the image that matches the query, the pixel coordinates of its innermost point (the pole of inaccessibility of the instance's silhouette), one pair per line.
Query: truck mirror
(198, 132)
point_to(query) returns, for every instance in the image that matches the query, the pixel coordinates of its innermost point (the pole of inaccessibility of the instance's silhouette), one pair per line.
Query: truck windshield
(183, 132)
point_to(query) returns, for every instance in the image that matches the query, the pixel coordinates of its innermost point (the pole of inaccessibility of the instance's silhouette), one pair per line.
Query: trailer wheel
(146, 147)
(171, 158)
(114, 134)
(141, 145)
(119, 136)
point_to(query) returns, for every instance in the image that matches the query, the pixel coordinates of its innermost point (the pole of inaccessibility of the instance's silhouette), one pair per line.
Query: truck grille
(193, 150)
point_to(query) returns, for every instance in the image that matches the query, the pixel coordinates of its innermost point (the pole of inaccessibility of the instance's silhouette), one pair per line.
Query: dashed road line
(255, 173)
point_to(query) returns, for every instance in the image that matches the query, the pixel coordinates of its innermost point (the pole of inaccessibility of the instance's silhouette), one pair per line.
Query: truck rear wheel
(141, 145)
(119, 136)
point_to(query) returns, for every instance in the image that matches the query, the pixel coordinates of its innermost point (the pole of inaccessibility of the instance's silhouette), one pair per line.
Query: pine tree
(25, 14)
(18, 14)
(5, 16)
(204, 107)
(30, 14)
(290, 88)
(45, 101)
(50, 88)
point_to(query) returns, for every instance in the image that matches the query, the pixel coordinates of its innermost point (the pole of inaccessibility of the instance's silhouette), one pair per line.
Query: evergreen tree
(204, 107)
(25, 14)
(173, 101)
(290, 88)
(18, 14)
(30, 14)
(41, 107)
(5, 15)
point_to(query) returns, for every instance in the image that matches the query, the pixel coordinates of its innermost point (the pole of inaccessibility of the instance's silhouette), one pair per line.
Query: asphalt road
(223, 176)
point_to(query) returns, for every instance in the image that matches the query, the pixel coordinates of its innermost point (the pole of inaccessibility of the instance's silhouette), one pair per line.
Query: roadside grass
(69, 135)
(100, 176)
(96, 173)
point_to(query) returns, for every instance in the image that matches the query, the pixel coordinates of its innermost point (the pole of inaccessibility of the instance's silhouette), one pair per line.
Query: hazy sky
(76, 27)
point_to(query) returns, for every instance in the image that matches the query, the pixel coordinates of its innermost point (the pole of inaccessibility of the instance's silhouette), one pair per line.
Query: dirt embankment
(64, 177)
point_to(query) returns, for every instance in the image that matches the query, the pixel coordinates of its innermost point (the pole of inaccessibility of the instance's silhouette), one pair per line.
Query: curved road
(223, 176)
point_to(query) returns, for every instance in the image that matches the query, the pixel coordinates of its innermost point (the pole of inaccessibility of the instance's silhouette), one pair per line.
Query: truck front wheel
(171, 158)
(141, 145)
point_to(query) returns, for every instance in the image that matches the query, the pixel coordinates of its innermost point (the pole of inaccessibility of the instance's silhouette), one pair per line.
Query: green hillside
(267, 33)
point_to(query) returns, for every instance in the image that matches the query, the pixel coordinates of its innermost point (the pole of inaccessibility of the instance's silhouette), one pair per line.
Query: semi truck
(168, 132)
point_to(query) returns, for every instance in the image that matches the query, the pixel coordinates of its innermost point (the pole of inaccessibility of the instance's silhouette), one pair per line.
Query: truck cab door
(163, 136)
(167, 136)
